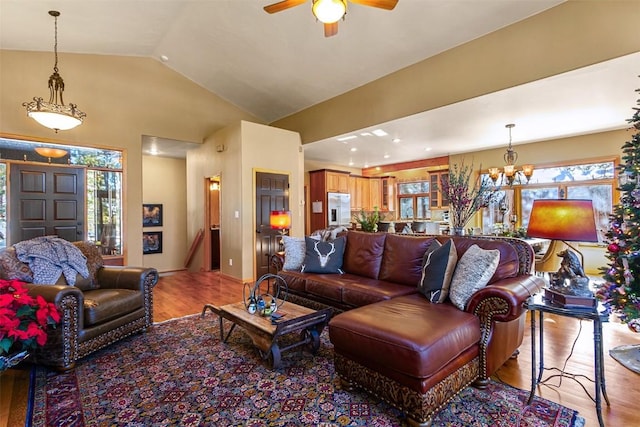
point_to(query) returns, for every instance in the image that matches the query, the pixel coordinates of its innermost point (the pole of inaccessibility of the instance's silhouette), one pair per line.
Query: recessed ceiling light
(164, 58)
(346, 138)
(395, 140)
(386, 156)
(366, 165)
(379, 132)
(354, 149)
(351, 163)
(366, 134)
(427, 149)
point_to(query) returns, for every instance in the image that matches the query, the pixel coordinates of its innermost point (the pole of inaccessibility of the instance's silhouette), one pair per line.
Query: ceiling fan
(329, 12)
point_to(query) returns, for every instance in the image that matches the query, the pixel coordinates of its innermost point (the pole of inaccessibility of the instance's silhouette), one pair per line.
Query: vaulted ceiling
(275, 65)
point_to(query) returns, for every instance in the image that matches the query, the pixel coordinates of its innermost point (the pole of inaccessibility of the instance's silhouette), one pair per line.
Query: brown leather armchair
(112, 303)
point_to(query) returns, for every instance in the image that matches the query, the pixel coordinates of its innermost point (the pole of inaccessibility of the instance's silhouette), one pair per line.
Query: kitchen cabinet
(387, 193)
(438, 200)
(375, 193)
(337, 182)
(322, 182)
(360, 193)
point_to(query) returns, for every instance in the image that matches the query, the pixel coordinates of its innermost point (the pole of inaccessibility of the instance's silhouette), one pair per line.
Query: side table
(538, 304)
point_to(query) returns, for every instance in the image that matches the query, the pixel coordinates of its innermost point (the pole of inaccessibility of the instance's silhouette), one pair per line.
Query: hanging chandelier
(55, 114)
(510, 174)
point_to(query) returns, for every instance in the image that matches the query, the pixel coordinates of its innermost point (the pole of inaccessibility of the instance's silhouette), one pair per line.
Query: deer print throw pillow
(323, 257)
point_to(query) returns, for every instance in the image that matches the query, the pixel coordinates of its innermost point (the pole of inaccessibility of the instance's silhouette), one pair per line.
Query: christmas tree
(621, 290)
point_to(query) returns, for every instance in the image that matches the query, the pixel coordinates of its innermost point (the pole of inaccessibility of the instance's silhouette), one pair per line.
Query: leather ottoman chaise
(392, 341)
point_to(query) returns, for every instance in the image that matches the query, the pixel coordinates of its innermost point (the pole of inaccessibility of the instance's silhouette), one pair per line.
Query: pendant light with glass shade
(55, 114)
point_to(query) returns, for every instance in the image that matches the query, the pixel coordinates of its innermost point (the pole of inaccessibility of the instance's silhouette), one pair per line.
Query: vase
(11, 360)
(457, 231)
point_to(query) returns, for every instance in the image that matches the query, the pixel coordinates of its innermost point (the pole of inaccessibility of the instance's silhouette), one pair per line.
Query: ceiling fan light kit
(329, 12)
(55, 114)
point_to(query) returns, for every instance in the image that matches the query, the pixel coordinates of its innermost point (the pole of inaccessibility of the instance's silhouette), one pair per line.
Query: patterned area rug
(179, 373)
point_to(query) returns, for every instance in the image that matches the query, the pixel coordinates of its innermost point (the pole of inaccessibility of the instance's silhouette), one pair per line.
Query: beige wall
(248, 147)
(545, 153)
(572, 35)
(163, 182)
(124, 98)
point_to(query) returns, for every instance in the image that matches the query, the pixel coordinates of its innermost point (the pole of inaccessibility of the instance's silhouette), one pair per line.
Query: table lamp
(280, 220)
(568, 220)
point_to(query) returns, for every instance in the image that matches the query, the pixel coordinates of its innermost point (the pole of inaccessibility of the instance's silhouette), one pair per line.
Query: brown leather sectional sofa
(392, 341)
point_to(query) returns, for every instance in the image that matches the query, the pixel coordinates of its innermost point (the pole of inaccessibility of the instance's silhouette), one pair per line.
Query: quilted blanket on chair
(49, 257)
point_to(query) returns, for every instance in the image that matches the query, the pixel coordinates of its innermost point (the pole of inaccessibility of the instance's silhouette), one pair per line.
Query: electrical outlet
(230, 261)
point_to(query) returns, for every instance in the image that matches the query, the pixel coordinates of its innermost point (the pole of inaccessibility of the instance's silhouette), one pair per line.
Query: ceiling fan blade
(282, 5)
(331, 29)
(381, 4)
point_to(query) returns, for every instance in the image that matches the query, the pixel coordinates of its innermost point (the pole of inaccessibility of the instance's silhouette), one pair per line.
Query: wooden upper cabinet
(364, 196)
(438, 200)
(337, 182)
(375, 193)
(387, 193)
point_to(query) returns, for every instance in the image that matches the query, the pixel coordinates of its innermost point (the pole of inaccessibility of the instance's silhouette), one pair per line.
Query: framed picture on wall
(152, 242)
(152, 215)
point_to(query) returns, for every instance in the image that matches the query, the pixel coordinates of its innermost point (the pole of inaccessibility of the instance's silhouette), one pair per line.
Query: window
(104, 187)
(414, 200)
(593, 181)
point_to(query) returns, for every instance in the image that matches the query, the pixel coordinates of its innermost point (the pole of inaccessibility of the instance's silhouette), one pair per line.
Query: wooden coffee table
(265, 335)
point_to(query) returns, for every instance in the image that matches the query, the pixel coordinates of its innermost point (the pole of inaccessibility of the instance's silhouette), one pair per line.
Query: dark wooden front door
(46, 200)
(272, 194)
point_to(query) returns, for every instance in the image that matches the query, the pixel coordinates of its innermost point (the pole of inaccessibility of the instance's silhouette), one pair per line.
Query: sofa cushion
(402, 259)
(473, 272)
(101, 305)
(438, 265)
(407, 334)
(509, 262)
(94, 263)
(294, 252)
(323, 257)
(368, 291)
(12, 268)
(363, 253)
(295, 279)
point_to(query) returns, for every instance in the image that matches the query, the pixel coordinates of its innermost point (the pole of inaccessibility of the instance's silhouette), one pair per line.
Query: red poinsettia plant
(24, 320)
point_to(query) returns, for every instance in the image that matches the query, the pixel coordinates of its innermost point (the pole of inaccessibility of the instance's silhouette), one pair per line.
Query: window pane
(585, 172)
(422, 208)
(495, 217)
(406, 208)
(602, 198)
(104, 210)
(413, 187)
(528, 195)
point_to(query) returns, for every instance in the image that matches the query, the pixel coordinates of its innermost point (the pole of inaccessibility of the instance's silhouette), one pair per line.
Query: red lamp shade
(569, 220)
(280, 220)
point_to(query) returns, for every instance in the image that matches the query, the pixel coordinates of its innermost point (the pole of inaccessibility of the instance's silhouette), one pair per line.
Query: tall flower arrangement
(24, 320)
(466, 196)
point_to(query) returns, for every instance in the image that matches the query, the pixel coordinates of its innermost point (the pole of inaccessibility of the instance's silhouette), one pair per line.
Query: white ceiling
(275, 65)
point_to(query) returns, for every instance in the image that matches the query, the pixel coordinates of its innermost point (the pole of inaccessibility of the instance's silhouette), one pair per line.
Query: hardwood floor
(185, 293)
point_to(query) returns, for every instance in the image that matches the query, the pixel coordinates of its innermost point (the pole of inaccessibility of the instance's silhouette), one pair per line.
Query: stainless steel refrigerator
(339, 209)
